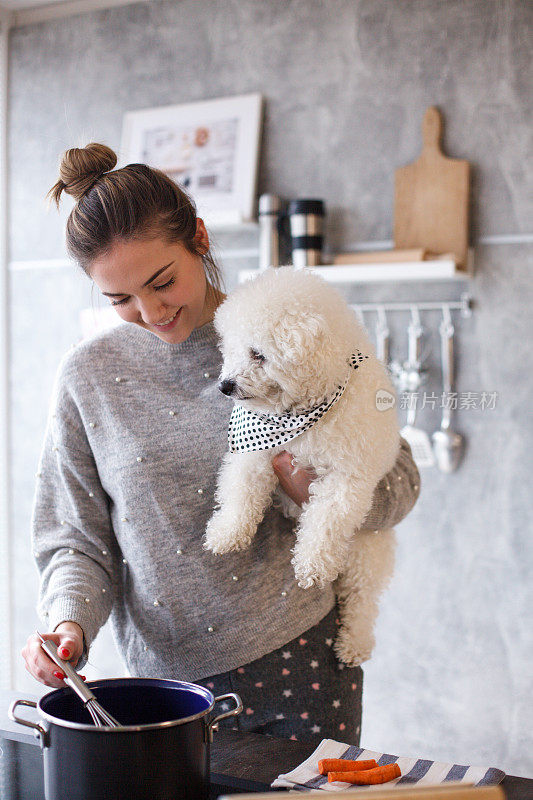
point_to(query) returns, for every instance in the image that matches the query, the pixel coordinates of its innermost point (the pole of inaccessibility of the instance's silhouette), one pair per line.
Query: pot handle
(213, 725)
(38, 731)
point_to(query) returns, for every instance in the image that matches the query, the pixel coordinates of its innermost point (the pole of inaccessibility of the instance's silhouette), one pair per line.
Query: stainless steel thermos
(306, 218)
(269, 216)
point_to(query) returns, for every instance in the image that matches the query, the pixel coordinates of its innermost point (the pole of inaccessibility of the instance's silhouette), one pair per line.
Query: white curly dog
(285, 339)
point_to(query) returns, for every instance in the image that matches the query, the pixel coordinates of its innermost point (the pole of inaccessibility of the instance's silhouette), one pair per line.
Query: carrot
(326, 765)
(368, 776)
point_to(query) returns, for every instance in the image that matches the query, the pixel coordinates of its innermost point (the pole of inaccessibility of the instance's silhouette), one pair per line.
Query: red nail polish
(83, 677)
(65, 653)
(59, 675)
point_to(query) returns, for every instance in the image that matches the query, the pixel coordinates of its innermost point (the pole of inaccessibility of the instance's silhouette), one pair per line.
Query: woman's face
(159, 286)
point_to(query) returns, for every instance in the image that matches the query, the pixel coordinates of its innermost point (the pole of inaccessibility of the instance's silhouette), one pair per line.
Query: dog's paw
(224, 535)
(310, 569)
(307, 575)
(350, 650)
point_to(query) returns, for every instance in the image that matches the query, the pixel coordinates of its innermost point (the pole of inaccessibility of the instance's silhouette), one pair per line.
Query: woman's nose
(152, 311)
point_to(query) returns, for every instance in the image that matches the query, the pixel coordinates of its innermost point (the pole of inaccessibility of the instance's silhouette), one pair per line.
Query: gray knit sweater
(135, 435)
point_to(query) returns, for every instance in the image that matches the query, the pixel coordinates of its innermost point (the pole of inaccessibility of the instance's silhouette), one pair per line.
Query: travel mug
(306, 219)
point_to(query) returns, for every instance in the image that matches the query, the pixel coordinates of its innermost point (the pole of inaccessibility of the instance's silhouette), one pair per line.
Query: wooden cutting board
(432, 198)
(438, 792)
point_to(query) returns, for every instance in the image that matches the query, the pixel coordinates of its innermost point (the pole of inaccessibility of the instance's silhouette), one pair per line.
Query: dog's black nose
(227, 387)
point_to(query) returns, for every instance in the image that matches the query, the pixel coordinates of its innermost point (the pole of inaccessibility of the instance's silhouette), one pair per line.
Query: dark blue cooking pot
(161, 750)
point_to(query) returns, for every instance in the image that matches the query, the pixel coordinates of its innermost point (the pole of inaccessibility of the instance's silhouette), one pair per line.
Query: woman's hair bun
(80, 168)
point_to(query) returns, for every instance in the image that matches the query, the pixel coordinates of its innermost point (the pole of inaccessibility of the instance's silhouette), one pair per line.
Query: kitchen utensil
(416, 437)
(431, 198)
(99, 715)
(418, 440)
(450, 791)
(306, 220)
(162, 749)
(382, 337)
(447, 444)
(360, 316)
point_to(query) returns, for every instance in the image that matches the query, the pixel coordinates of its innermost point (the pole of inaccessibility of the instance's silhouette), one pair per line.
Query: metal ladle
(447, 444)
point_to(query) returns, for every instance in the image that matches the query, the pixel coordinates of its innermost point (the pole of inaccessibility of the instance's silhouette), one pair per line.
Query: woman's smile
(157, 285)
(167, 325)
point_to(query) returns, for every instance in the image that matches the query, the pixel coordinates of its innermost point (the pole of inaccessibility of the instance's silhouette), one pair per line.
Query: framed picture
(211, 148)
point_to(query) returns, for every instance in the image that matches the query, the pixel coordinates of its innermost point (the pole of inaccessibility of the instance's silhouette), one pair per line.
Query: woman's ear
(201, 236)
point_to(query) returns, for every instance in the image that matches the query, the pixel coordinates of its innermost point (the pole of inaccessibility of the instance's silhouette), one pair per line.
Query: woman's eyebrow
(154, 276)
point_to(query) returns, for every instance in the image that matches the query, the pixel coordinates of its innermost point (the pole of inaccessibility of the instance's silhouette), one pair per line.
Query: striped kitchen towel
(414, 770)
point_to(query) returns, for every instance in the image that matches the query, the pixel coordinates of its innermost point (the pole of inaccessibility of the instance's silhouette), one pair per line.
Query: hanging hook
(381, 323)
(415, 316)
(446, 326)
(466, 304)
(414, 334)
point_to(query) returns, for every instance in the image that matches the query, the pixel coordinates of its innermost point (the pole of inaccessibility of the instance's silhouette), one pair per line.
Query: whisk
(100, 717)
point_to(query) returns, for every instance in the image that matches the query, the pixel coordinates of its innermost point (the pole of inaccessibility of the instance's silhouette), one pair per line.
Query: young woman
(135, 436)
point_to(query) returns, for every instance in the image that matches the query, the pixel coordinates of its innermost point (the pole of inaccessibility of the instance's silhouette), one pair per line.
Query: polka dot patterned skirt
(300, 691)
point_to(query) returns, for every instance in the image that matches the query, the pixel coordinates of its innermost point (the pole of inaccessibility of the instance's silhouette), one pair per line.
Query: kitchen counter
(240, 762)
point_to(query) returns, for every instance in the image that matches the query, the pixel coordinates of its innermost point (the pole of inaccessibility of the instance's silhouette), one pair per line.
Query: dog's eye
(256, 355)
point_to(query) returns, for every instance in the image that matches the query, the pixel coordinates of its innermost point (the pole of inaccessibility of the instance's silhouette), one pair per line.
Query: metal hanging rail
(464, 305)
(7, 657)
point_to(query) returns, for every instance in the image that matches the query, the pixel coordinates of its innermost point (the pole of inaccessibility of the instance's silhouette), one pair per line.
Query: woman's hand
(295, 485)
(68, 637)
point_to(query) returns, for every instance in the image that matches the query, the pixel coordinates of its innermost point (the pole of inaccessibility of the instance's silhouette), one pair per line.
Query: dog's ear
(220, 317)
(299, 335)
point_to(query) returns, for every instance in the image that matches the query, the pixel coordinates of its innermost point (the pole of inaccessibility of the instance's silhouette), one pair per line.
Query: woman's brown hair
(133, 202)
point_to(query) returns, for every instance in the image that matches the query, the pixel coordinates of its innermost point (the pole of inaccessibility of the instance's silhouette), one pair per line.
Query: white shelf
(437, 270)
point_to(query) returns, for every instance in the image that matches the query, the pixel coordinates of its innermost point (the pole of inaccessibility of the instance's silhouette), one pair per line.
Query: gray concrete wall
(345, 86)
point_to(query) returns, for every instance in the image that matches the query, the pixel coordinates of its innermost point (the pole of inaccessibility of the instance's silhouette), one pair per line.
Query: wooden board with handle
(432, 198)
(437, 792)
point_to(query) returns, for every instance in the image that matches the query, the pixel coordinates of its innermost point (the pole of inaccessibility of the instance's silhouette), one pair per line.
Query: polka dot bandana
(249, 432)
